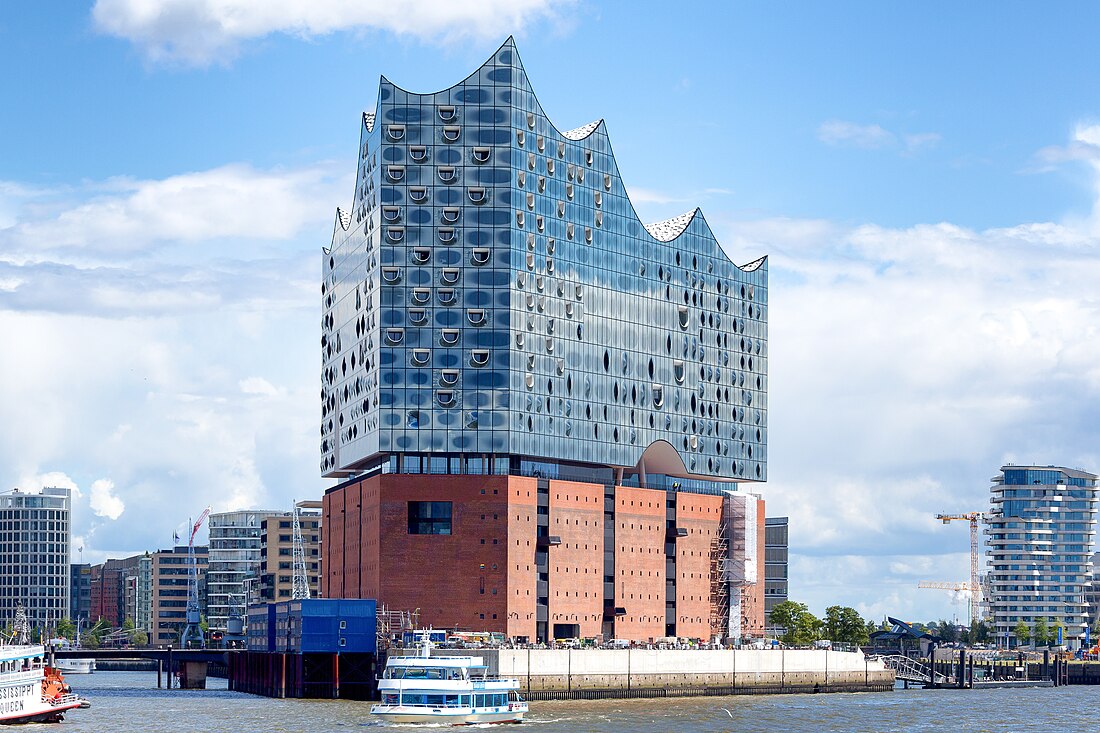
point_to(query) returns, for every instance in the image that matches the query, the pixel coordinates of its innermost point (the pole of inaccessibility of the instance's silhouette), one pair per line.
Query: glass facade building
(234, 564)
(775, 562)
(1040, 529)
(34, 555)
(493, 304)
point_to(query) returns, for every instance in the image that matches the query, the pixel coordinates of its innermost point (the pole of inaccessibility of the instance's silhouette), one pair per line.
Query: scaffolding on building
(733, 565)
(392, 623)
(719, 582)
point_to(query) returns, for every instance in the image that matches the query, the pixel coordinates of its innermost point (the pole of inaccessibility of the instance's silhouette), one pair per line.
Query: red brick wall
(640, 563)
(701, 516)
(457, 580)
(522, 517)
(576, 565)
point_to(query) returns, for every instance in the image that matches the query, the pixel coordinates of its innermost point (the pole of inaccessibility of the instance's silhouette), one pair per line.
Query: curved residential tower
(514, 364)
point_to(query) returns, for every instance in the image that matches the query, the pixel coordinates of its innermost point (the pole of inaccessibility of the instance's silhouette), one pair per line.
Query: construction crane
(301, 578)
(974, 586)
(955, 588)
(192, 633)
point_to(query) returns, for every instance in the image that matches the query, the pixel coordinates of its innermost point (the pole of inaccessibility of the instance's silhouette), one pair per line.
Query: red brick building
(527, 556)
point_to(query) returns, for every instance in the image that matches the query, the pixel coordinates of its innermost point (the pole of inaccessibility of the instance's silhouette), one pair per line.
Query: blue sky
(924, 178)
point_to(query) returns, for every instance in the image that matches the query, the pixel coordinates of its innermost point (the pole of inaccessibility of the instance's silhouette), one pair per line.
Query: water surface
(128, 702)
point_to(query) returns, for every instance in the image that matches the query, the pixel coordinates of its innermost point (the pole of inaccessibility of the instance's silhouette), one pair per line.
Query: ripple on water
(128, 702)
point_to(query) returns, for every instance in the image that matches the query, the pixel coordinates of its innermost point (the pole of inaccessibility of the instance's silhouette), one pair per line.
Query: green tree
(884, 626)
(66, 629)
(802, 627)
(1058, 626)
(844, 624)
(979, 632)
(946, 630)
(870, 628)
(1022, 632)
(128, 625)
(1040, 632)
(140, 638)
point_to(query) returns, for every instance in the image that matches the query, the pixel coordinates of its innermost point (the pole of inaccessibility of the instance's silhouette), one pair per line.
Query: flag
(176, 537)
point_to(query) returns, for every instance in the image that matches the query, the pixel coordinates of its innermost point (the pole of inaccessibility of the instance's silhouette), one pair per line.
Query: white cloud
(840, 132)
(204, 31)
(258, 386)
(233, 201)
(105, 503)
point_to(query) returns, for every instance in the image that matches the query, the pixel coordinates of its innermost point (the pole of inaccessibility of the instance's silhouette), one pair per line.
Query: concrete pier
(548, 674)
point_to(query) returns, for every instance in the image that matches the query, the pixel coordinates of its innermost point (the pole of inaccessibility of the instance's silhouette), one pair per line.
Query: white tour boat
(454, 690)
(83, 665)
(30, 691)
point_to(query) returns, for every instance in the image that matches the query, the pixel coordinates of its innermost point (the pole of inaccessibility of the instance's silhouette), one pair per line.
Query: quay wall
(582, 673)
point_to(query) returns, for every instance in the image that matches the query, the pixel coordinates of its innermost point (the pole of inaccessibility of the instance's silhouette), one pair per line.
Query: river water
(128, 702)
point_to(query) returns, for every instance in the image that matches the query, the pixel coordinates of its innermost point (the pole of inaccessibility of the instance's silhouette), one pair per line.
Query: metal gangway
(910, 670)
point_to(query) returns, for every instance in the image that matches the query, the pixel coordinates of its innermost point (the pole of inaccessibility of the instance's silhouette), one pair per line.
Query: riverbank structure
(1040, 529)
(543, 412)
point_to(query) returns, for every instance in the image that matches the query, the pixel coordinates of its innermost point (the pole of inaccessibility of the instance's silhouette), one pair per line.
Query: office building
(277, 553)
(80, 591)
(234, 566)
(169, 578)
(109, 583)
(775, 562)
(34, 555)
(540, 408)
(1040, 529)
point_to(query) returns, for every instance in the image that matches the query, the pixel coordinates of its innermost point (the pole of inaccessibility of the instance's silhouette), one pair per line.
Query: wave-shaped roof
(580, 133)
(669, 229)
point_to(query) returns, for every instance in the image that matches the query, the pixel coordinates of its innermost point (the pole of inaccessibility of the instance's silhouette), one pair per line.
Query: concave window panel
(447, 235)
(395, 336)
(678, 371)
(447, 112)
(395, 234)
(445, 397)
(476, 194)
(449, 336)
(395, 173)
(421, 255)
(449, 275)
(451, 214)
(419, 153)
(476, 316)
(419, 194)
(447, 173)
(395, 132)
(447, 296)
(480, 255)
(451, 133)
(391, 275)
(482, 155)
(420, 357)
(479, 357)
(418, 316)
(421, 295)
(448, 377)
(391, 213)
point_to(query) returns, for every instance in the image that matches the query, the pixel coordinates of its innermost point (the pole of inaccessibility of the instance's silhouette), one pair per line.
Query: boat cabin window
(434, 700)
(424, 673)
(491, 701)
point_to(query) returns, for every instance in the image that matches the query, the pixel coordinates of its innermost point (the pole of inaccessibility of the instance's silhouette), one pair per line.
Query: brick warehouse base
(535, 558)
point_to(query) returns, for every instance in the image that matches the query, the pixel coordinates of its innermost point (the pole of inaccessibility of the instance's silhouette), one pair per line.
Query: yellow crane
(955, 588)
(974, 586)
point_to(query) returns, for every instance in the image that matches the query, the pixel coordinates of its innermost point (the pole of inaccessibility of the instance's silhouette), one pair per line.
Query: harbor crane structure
(301, 578)
(192, 635)
(974, 586)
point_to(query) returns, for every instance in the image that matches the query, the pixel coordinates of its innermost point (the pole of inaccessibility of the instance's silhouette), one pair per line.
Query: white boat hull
(445, 716)
(76, 666)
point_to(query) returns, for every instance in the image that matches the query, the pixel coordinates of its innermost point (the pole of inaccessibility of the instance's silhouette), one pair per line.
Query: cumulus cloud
(201, 32)
(105, 503)
(233, 201)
